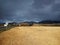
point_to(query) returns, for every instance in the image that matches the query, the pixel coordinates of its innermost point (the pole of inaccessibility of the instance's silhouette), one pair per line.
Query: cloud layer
(31, 10)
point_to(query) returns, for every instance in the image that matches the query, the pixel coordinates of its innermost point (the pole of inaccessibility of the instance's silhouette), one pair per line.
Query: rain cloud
(29, 10)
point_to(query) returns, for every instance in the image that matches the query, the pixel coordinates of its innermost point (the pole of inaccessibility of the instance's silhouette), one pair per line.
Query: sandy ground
(35, 35)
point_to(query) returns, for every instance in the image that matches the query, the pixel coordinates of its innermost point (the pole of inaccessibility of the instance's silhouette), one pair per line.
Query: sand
(34, 35)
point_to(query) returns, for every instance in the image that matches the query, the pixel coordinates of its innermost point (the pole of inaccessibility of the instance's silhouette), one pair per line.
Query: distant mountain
(49, 22)
(31, 22)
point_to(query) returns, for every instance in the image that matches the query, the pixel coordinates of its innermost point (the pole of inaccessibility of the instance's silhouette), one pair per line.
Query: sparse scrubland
(31, 35)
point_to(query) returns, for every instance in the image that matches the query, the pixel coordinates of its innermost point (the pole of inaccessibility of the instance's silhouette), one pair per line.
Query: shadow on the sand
(2, 29)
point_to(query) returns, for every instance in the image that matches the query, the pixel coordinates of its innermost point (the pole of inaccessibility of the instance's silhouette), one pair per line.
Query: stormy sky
(29, 10)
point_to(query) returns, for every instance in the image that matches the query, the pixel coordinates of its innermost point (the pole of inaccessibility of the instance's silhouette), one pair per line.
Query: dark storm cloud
(35, 10)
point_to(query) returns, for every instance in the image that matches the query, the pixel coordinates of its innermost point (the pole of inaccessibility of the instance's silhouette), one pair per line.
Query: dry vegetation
(33, 35)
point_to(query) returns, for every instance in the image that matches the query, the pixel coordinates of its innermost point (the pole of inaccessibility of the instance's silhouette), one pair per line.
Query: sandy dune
(35, 35)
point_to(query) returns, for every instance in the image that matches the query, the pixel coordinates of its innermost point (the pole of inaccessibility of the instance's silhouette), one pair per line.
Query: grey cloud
(36, 10)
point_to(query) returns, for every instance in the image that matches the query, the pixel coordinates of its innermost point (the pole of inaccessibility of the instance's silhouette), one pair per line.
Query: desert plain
(31, 35)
